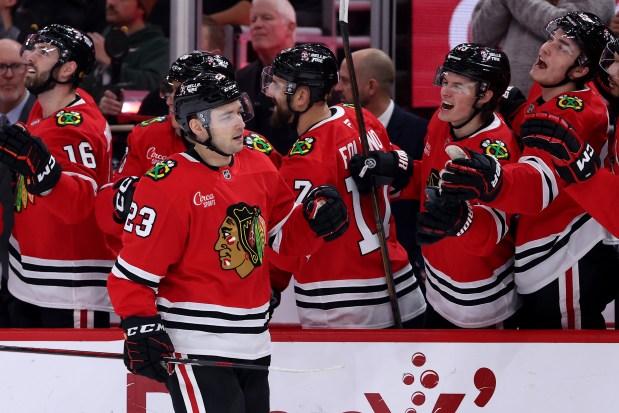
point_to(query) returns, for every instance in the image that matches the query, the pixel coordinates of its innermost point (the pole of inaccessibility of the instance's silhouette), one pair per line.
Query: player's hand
(146, 343)
(326, 212)
(29, 156)
(442, 218)
(386, 168)
(470, 175)
(511, 102)
(276, 299)
(111, 104)
(123, 197)
(573, 158)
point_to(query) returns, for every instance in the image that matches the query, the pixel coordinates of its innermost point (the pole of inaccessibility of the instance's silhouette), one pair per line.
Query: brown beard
(281, 116)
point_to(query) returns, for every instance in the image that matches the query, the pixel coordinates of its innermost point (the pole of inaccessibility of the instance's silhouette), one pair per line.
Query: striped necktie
(4, 122)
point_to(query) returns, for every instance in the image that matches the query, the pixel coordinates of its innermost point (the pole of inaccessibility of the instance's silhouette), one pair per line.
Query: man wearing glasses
(15, 104)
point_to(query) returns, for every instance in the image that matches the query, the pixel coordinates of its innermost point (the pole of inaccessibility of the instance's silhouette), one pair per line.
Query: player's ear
(195, 126)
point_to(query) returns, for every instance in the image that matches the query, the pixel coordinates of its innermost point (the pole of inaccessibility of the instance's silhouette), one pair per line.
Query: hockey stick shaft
(173, 360)
(382, 239)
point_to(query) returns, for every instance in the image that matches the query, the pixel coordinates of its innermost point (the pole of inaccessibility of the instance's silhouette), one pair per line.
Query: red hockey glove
(146, 343)
(123, 197)
(573, 158)
(470, 175)
(29, 156)
(442, 218)
(386, 168)
(326, 212)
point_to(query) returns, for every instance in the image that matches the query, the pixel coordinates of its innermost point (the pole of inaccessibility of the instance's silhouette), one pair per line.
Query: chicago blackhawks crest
(241, 239)
(72, 118)
(565, 102)
(161, 170)
(496, 148)
(303, 146)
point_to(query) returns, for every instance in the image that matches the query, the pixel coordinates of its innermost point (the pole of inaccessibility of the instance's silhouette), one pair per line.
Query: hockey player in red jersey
(58, 258)
(470, 276)
(152, 141)
(342, 285)
(563, 269)
(194, 251)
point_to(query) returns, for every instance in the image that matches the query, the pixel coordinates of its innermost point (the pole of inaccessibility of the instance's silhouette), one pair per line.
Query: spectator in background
(31, 15)
(15, 105)
(375, 73)
(144, 65)
(517, 27)
(235, 12)
(212, 39)
(309, 12)
(7, 29)
(272, 29)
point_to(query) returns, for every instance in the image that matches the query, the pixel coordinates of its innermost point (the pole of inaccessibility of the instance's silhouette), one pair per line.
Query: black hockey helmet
(312, 65)
(72, 44)
(191, 64)
(608, 55)
(209, 90)
(488, 67)
(589, 32)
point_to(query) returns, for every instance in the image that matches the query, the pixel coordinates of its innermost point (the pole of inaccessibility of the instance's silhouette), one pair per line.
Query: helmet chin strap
(50, 83)
(565, 80)
(208, 143)
(476, 111)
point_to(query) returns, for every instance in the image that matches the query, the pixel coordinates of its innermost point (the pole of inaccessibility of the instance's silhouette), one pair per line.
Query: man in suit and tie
(15, 104)
(375, 74)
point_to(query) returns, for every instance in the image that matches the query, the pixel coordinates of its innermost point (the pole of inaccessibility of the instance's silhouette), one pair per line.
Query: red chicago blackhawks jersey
(150, 142)
(58, 257)
(194, 246)
(343, 284)
(554, 232)
(470, 279)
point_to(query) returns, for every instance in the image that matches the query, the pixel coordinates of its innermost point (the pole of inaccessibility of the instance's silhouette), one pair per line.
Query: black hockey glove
(443, 218)
(470, 175)
(146, 343)
(326, 212)
(387, 168)
(123, 197)
(29, 156)
(573, 158)
(511, 103)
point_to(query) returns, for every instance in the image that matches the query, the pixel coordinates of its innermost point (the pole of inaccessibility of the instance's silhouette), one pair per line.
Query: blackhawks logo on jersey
(565, 102)
(257, 142)
(68, 118)
(302, 146)
(496, 148)
(241, 239)
(159, 119)
(161, 170)
(22, 197)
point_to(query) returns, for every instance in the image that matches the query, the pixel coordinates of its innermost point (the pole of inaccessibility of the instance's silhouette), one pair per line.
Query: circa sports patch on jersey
(496, 148)
(68, 118)
(158, 119)
(257, 142)
(565, 102)
(161, 170)
(302, 146)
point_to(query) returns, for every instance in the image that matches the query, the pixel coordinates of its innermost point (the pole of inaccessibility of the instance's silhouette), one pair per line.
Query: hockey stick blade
(173, 360)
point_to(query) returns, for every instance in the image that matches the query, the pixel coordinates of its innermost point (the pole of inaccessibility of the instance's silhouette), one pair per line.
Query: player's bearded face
(282, 115)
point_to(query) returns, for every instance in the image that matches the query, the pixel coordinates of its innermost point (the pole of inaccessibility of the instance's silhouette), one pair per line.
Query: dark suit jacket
(407, 131)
